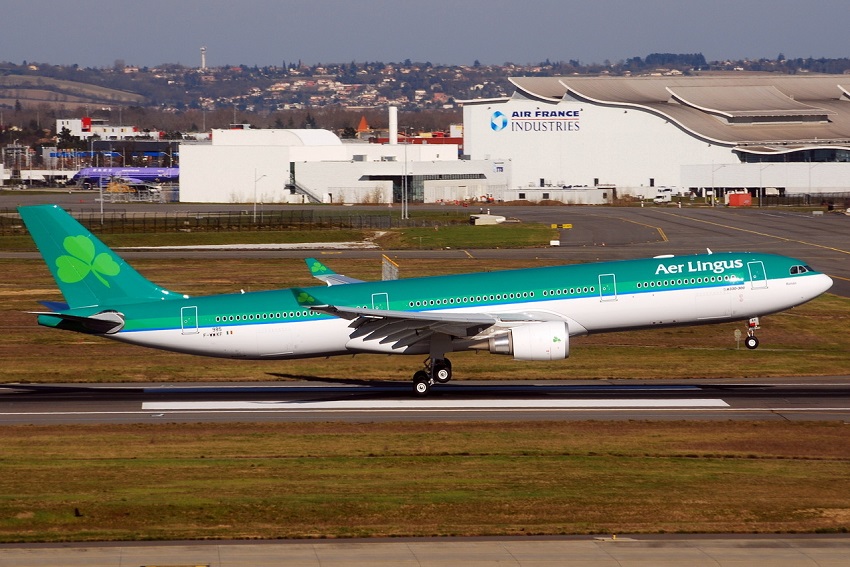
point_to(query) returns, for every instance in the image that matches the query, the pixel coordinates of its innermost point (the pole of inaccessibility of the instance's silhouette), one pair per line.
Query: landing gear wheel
(443, 371)
(421, 383)
(751, 342)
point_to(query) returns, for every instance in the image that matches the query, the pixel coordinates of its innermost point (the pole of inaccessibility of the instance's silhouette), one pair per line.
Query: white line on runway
(433, 404)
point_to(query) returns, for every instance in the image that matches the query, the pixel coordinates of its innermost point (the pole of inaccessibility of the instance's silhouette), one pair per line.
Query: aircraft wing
(405, 328)
(325, 274)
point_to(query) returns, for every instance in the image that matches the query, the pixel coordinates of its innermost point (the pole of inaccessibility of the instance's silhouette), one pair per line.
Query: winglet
(325, 274)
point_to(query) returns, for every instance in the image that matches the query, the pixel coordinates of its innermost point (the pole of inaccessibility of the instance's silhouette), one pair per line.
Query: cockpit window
(800, 269)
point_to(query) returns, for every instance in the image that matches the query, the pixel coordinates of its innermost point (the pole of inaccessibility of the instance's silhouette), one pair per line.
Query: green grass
(184, 481)
(436, 236)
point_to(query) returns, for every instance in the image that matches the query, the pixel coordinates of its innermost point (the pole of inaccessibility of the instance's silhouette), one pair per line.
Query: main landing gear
(752, 342)
(436, 370)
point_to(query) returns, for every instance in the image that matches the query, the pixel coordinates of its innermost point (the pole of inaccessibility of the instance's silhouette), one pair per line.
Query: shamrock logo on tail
(82, 260)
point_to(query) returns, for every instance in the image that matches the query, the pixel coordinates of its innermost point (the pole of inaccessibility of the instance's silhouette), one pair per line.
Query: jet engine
(548, 340)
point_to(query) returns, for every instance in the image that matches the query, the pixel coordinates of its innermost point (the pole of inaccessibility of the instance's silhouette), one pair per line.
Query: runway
(792, 399)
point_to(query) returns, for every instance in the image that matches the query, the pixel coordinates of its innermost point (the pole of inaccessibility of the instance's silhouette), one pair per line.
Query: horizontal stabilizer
(104, 323)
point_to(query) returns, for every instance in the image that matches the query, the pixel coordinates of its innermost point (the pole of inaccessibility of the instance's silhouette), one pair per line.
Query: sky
(147, 33)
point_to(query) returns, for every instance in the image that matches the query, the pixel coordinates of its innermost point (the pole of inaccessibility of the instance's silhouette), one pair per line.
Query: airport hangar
(780, 134)
(578, 140)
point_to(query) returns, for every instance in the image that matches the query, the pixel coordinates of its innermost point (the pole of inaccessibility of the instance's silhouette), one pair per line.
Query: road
(580, 551)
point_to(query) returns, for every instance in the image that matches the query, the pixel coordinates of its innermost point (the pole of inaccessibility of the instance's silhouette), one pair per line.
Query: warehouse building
(642, 135)
(301, 166)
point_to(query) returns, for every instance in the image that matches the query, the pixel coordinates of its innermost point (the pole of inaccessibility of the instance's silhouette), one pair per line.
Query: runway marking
(757, 233)
(412, 404)
(658, 228)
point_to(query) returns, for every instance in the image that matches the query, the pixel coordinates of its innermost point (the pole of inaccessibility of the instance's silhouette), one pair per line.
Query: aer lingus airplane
(529, 314)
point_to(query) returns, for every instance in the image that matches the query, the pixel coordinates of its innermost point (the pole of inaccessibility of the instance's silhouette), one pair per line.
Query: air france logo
(498, 121)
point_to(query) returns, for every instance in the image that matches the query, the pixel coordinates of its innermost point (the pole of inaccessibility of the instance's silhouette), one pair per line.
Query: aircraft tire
(443, 371)
(421, 383)
(751, 342)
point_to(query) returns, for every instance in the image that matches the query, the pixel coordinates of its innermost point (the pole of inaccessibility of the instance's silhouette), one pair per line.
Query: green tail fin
(88, 273)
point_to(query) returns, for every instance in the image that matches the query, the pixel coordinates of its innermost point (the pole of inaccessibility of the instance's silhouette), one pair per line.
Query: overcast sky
(97, 33)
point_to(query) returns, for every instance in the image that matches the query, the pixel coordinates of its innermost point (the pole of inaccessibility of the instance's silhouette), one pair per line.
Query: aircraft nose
(824, 282)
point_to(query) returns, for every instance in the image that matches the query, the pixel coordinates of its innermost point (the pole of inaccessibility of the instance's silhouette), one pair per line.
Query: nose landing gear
(752, 342)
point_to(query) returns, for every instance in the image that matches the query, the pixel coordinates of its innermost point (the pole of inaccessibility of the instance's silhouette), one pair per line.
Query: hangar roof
(754, 113)
(275, 137)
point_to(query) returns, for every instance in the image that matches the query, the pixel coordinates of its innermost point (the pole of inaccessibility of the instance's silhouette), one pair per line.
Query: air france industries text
(545, 121)
(544, 126)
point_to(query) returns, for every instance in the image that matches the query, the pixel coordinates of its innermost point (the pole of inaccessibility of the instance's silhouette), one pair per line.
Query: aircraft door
(380, 301)
(607, 287)
(758, 276)
(189, 320)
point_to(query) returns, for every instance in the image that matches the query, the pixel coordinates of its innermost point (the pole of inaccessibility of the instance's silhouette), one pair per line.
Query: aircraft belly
(230, 342)
(713, 303)
(642, 310)
(303, 338)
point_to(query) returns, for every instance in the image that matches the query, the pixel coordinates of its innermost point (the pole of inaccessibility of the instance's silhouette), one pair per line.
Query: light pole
(256, 179)
(761, 183)
(811, 167)
(405, 214)
(713, 188)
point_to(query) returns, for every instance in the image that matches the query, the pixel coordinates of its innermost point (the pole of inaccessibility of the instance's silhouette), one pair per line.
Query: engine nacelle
(549, 340)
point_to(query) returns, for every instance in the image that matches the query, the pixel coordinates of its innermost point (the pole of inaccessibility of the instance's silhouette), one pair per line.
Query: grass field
(179, 481)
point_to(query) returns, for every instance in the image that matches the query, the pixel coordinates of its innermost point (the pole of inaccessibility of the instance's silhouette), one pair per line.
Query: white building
(86, 128)
(278, 166)
(786, 132)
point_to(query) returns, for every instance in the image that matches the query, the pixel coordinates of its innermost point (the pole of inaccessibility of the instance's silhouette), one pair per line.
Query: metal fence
(118, 222)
